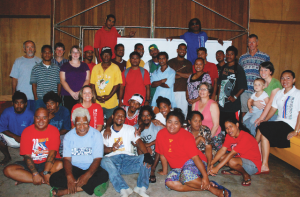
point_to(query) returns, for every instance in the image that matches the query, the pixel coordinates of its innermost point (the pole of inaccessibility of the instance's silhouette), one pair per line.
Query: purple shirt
(75, 77)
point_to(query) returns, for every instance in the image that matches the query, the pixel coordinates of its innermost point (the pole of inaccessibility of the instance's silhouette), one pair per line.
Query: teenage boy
(119, 51)
(139, 48)
(59, 51)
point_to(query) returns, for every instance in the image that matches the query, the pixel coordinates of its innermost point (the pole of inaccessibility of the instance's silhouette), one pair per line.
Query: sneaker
(126, 192)
(101, 189)
(141, 191)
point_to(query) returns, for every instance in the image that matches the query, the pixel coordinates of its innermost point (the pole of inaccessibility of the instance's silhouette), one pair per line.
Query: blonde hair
(81, 94)
(74, 47)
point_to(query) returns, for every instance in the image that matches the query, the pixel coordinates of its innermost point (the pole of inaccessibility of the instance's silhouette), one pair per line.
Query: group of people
(79, 124)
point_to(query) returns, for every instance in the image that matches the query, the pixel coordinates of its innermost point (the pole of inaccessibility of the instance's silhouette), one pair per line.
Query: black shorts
(39, 167)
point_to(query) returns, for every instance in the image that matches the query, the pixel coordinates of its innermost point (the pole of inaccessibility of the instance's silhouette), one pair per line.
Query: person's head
(194, 25)
(29, 48)
(19, 100)
(164, 105)
(86, 94)
(233, 127)
(181, 50)
(75, 53)
(52, 101)
(153, 51)
(205, 90)
(139, 48)
(81, 119)
(259, 84)
(194, 119)
(119, 50)
(202, 53)
(135, 58)
(135, 102)
(106, 54)
(59, 49)
(47, 53)
(287, 79)
(110, 21)
(41, 119)
(163, 58)
(146, 115)
(220, 56)
(266, 70)
(174, 121)
(231, 53)
(199, 64)
(88, 52)
(252, 42)
(119, 116)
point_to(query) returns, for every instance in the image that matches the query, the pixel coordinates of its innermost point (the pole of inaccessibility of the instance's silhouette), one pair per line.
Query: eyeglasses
(203, 89)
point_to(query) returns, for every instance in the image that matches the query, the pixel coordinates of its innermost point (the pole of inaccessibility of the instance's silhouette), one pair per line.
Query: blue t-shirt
(61, 119)
(83, 149)
(15, 123)
(194, 42)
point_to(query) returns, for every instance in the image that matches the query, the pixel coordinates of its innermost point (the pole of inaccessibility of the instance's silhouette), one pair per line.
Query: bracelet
(297, 131)
(35, 174)
(50, 162)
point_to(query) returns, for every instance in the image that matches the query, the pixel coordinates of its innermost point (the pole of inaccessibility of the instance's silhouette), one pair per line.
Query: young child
(254, 113)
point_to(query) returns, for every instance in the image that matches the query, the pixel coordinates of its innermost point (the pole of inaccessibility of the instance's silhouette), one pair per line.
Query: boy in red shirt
(39, 145)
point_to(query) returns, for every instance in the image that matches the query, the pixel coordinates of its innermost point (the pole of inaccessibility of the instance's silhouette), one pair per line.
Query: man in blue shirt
(13, 121)
(83, 151)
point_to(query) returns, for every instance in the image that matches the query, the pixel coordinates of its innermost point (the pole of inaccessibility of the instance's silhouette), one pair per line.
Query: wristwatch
(234, 97)
(46, 172)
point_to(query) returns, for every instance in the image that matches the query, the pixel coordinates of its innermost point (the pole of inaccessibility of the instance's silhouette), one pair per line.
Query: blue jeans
(126, 164)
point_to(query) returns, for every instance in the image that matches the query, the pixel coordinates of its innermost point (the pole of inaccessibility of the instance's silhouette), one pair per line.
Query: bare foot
(264, 168)
(59, 192)
(224, 193)
(18, 183)
(5, 161)
(161, 172)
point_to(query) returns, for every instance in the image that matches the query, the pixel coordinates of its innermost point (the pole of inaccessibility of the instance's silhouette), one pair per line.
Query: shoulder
(64, 110)
(244, 56)
(128, 128)
(94, 132)
(172, 60)
(246, 137)
(171, 70)
(70, 133)
(264, 94)
(28, 130)
(161, 133)
(115, 67)
(187, 62)
(96, 106)
(84, 65)
(8, 111)
(263, 54)
(52, 128)
(37, 59)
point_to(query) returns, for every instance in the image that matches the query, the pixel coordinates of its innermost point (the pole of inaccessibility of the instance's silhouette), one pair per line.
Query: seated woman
(287, 125)
(188, 164)
(87, 100)
(210, 110)
(201, 134)
(243, 157)
(164, 106)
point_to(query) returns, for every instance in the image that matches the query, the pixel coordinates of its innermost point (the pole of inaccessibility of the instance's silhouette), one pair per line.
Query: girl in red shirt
(188, 164)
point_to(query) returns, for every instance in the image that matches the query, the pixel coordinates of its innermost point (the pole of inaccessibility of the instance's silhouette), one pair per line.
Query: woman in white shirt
(287, 125)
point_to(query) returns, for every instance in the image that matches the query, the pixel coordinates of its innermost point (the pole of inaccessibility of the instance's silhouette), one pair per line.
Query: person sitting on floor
(165, 107)
(13, 121)
(188, 164)
(59, 116)
(243, 157)
(119, 159)
(83, 151)
(39, 145)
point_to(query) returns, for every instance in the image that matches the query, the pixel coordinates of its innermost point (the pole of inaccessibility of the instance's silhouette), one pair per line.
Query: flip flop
(222, 188)
(53, 189)
(101, 189)
(246, 182)
(152, 179)
(229, 172)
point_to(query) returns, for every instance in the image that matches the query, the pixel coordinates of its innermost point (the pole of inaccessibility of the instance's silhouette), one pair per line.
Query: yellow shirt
(128, 64)
(104, 82)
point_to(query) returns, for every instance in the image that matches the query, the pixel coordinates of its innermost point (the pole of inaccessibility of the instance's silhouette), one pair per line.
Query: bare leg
(4, 150)
(258, 136)
(18, 173)
(62, 192)
(265, 146)
(237, 164)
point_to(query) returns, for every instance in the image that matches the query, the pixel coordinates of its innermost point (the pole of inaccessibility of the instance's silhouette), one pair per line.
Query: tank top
(207, 120)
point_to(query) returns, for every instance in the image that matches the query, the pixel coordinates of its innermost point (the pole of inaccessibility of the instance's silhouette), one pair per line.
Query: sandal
(101, 189)
(152, 179)
(246, 182)
(55, 189)
(222, 188)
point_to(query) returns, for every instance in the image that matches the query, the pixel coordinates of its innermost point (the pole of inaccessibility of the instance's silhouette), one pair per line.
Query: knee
(232, 163)
(106, 163)
(170, 184)
(7, 171)
(59, 166)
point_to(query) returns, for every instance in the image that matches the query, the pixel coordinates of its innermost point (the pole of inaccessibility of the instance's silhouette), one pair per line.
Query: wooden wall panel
(21, 7)
(12, 35)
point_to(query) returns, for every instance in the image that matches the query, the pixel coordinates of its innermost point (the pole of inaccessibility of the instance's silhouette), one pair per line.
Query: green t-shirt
(273, 85)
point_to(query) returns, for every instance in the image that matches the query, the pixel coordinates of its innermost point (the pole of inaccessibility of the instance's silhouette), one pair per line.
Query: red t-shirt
(177, 148)
(39, 143)
(211, 69)
(131, 120)
(134, 84)
(105, 38)
(96, 113)
(91, 66)
(246, 146)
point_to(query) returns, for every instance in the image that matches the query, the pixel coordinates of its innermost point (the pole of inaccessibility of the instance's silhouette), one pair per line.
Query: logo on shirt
(102, 84)
(122, 147)
(39, 150)
(24, 124)
(81, 151)
(170, 146)
(227, 87)
(232, 147)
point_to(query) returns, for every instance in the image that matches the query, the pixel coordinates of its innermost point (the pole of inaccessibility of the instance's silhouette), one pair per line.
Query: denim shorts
(39, 167)
(249, 166)
(108, 112)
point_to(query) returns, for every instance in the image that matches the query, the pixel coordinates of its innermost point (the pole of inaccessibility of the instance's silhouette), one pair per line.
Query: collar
(289, 92)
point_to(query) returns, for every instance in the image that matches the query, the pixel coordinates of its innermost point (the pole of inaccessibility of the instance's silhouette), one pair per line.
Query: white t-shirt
(161, 118)
(127, 136)
(288, 106)
(260, 98)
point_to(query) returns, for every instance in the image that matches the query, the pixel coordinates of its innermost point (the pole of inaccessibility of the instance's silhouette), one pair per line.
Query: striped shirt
(45, 78)
(54, 61)
(251, 67)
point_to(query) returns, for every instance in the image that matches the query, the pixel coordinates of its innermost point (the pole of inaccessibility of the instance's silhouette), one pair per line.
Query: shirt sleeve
(191, 147)
(67, 152)
(227, 143)
(206, 78)
(241, 82)
(158, 144)
(274, 103)
(252, 96)
(54, 139)
(244, 145)
(94, 76)
(154, 77)
(171, 79)
(117, 77)
(15, 70)
(33, 76)
(98, 146)
(133, 138)
(97, 40)
(123, 77)
(182, 36)
(105, 141)
(4, 121)
(146, 78)
(100, 115)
